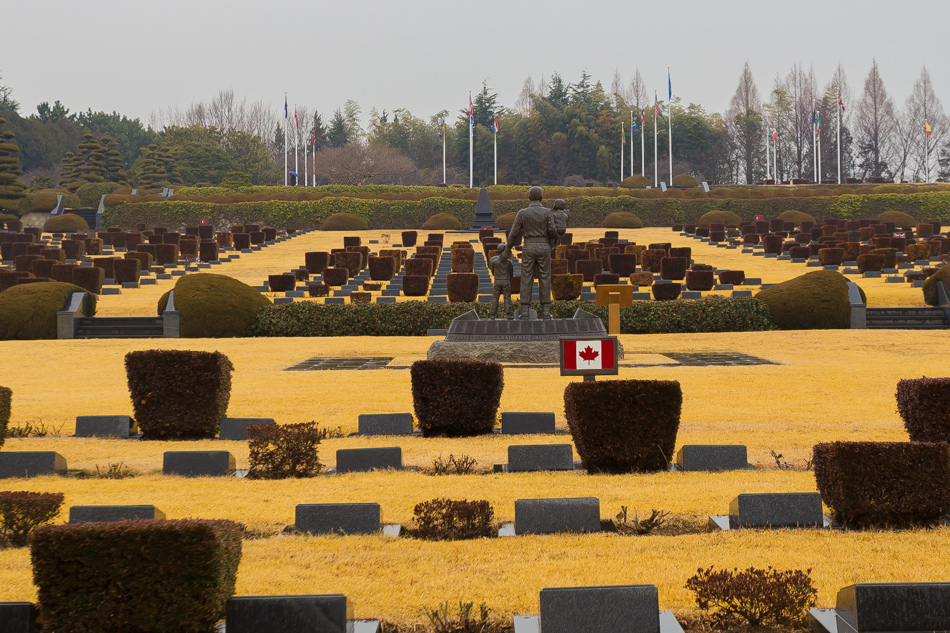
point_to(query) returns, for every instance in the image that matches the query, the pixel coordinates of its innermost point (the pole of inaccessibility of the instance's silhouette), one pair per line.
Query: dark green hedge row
(586, 211)
(413, 318)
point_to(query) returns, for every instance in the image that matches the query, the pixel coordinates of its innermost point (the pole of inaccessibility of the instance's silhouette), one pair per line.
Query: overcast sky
(135, 57)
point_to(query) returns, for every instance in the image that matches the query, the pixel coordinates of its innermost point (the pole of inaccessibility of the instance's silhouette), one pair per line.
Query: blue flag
(670, 83)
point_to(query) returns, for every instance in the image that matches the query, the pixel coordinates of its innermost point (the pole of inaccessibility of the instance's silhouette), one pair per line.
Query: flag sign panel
(589, 357)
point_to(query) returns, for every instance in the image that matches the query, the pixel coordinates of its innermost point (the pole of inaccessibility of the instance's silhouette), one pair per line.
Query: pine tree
(156, 168)
(11, 189)
(113, 160)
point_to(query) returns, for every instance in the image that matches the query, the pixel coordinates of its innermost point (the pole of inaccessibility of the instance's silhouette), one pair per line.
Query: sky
(135, 57)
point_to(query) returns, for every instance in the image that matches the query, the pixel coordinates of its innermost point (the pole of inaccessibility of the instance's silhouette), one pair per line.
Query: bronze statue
(561, 213)
(502, 271)
(534, 223)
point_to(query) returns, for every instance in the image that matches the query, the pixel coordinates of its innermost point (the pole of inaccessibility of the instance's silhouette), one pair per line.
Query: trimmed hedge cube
(564, 287)
(318, 289)
(126, 270)
(409, 238)
(650, 259)
(588, 268)
(382, 268)
(605, 279)
(924, 405)
(415, 285)
(166, 254)
(673, 267)
(316, 261)
(666, 291)
(831, 256)
(64, 272)
(282, 283)
(456, 398)
(772, 244)
(419, 266)
(870, 262)
(179, 394)
(734, 277)
(208, 249)
(884, 484)
(623, 264)
(623, 426)
(145, 259)
(335, 276)
(462, 287)
(558, 266)
(89, 278)
(135, 575)
(463, 260)
(242, 241)
(641, 279)
(701, 280)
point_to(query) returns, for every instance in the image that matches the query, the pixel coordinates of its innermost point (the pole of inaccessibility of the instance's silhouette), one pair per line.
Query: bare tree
(620, 95)
(745, 127)
(875, 126)
(800, 87)
(917, 148)
(781, 109)
(358, 163)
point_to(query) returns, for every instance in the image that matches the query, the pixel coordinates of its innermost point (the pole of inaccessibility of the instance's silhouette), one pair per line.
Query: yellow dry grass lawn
(253, 268)
(825, 386)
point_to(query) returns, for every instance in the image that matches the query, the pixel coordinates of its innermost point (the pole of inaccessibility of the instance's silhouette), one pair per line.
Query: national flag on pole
(471, 111)
(927, 129)
(296, 121)
(623, 138)
(597, 354)
(496, 125)
(656, 104)
(633, 130)
(313, 136)
(643, 115)
(840, 102)
(669, 83)
(285, 105)
(442, 129)
(774, 133)
(818, 121)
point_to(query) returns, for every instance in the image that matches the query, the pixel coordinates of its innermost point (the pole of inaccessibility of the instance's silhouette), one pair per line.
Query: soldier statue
(502, 272)
(535, 224)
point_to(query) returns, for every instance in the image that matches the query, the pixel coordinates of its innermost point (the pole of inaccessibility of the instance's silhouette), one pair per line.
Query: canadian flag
(597, 354)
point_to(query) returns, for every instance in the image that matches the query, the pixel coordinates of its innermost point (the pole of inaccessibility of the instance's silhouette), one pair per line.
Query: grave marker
(198, 463)
(550, 516)
(526, 423)
(529, 458)
(385, 424)
(236, 428)
(103, 425)
(287, 614)
(350, 460)
(31, 464)
(338, 518)
(94, 514)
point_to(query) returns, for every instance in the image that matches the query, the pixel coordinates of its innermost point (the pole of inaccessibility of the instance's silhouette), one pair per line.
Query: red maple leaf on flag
(588, 354)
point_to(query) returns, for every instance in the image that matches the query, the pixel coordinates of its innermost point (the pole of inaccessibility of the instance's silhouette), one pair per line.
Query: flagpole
(643, 149)
(656, 166)
(306, 174)
(839, 137)
(313, 153)
(621, 151)
(631, 142)
(296, 139)
(669, 107)
(496, 153)
(768, 135)
(775, 175)
(285, 139)
(471, 141)
(814, 142)
(443, 152)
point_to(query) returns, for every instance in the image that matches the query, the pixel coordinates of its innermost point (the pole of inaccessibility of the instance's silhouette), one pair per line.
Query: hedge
(924, 405)
(586, 210)
(414, 318)
(456, 398)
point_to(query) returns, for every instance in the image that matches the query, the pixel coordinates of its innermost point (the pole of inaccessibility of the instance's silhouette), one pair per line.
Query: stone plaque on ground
(692, 457)
(776, 510)
(338, 518)
(198, 463)
(895, 607)
(31, 463)
(617, 609)
(526, 423)
(385, 424)
(18, 617)
(483, 212)
(527, 458)
(549, 516)
(103, 425)
(287, 614)
(236, 428)
(94, 514)
(362, 459)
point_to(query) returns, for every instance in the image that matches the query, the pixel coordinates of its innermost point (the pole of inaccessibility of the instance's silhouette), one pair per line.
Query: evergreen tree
(113, 160)
(156, 168)
(11, 189)
(338, 134)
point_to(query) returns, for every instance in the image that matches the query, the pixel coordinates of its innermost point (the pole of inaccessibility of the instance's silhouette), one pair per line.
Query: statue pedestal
(503, 341)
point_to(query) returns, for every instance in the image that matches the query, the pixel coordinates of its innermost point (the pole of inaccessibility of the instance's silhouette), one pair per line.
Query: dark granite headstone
(287, 614)
(526, 423)
(385, 424)
(776, 510)
(31, 463)
(338, 518)
(536, 457)
(870, 608)
(94, 514)
(103, 425)
(350, 460)
(549, 516)
(198, 463)
(617, 609)
(18, 617)
(693, 457)
(236, 428)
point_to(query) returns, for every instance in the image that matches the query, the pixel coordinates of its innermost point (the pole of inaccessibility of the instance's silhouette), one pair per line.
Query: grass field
(823, 386)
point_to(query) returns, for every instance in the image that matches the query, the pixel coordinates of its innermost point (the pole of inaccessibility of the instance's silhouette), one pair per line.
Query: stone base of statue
(516, 341)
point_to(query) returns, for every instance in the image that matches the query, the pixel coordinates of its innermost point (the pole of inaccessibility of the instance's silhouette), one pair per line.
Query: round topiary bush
(797, 217)
(91, 193)
(66, 223)
(28, 312)
(930, 286)
(343, 222)
(622, 220)
(813, 301)
(685, 181)
(214, 306)
(635, 182)
(442, 222)
(43, 202)
(900, 219)
(718, 216)
(505, 221)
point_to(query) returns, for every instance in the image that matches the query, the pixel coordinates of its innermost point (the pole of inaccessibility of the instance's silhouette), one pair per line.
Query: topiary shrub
(22, 512)
(623, 264)
(281, 283)
(419, 266)
(917, 251)
(884, 484)
(931, 297)
(28, 312)
(719, 216)
(361, 297)
(179, 394)
(342, 222)
(666, 291)
(641, 279)
(144, 257)
(733, 277)
(606, 279)
(334, 276)
(91, 193)
(701, 280)
(463, 260)
(283, 451)
(505, 221)
(462, 287)
(453, 520)
(772, 244)
(801, 252)
(685, 181)
(813, 301)
(409, 238)
(188, 570)
(442, 222)
(635, 182)
(588, 268)
(126, 270)
(382, 268)
(66, 223)
(456, 398)
(6, 401)
(351, 261)
(622, 220)
(796, 217)
(89, 278)
(925, 230)
(754, 598)
(560, 266)
(673, 267)
(623, 426)
(900, 219)
(870, 262)
(316, 261)
(43, 202)
(566, 287)
(924, 405)
(414, 285)
(208, 250)
(651, 259)
(214, 306)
